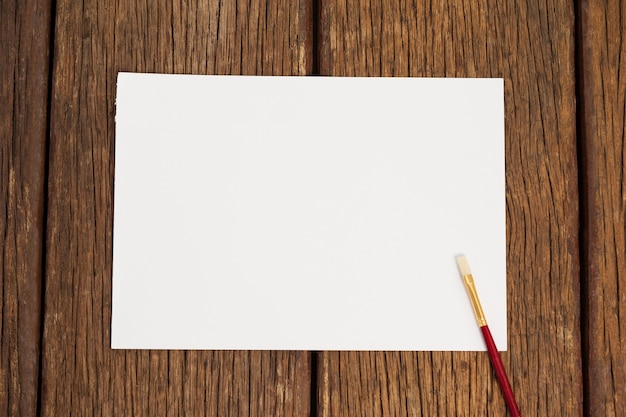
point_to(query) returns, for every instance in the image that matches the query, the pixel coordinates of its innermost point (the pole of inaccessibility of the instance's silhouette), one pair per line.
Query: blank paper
(307, 213)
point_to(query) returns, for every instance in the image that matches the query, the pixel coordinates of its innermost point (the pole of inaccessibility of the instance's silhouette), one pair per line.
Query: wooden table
(564, 66)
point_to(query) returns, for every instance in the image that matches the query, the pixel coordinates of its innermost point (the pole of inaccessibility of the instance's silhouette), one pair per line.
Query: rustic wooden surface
(602, 100)
(24, 69)
(531, 45)
(56, 203)
(94, 40)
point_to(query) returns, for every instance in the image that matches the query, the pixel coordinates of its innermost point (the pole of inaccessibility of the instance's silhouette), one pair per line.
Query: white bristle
(463, 265)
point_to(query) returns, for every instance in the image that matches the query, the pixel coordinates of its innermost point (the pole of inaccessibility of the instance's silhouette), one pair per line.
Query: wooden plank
(93, 41)
(531, 45)
(602, 98)
(24, 73)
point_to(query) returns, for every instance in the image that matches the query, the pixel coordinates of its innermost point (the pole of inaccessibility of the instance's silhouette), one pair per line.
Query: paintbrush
(494, 356)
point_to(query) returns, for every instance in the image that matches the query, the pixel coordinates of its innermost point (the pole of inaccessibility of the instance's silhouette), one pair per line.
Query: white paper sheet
(307, 213)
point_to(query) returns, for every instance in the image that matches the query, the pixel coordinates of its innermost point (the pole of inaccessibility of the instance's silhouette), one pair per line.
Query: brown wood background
(564, 66)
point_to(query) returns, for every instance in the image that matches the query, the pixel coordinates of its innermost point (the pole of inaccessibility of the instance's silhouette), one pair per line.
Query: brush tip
(463, 265)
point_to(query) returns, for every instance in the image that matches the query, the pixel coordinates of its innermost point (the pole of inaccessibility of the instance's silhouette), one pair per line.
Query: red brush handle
(498, 367)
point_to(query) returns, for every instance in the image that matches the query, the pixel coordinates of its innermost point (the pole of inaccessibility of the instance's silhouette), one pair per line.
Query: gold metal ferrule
(468, 280)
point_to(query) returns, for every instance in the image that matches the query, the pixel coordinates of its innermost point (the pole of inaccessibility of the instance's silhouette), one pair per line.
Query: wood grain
(93, 41)
(531, 45)
(24, 73)
(602, 98)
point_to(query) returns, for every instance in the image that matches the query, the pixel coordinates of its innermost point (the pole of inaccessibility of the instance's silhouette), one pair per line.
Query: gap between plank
(44, 234)
(583, 201)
